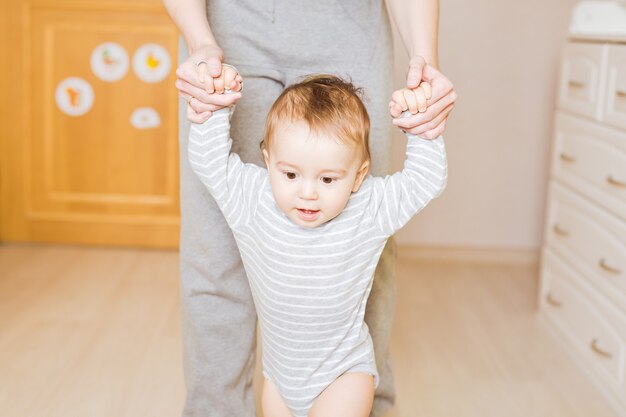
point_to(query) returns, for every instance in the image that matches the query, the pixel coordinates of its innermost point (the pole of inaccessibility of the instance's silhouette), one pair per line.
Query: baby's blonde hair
(328, 105)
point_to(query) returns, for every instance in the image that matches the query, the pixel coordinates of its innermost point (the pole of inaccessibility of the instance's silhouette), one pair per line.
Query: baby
(310, 228)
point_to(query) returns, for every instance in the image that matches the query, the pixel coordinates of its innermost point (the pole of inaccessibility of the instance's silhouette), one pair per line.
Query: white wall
(502, 57)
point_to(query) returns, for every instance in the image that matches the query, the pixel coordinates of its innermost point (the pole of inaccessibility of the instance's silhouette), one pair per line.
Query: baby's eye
(290, 175)
(327, 180)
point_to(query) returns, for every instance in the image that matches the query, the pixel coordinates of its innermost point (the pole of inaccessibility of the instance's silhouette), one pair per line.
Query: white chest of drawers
(583, 269)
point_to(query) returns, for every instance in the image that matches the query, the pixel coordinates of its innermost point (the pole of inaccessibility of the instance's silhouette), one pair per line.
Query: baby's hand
(229, 82)
(413, 100)
(229, 79)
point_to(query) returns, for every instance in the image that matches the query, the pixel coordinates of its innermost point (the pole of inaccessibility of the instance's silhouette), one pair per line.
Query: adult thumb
(415, 74)
(215, 66)
(430, 73)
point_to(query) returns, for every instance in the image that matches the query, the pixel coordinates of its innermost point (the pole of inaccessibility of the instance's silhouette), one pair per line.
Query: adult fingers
(415, 72)
(191, 90)
(200, 107)
(194, 117)
(215, 66)
(207, 58)
(223, 100)
(440, 84)
(201, 71)
(425, 127)
(435, 133)
(186, 75)
(431, 112)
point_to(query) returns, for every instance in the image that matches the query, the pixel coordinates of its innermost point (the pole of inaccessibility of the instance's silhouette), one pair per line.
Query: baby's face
(312, 175)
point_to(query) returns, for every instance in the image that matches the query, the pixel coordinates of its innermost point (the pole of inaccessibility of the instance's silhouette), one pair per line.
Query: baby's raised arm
(397, 198)
(234, 185)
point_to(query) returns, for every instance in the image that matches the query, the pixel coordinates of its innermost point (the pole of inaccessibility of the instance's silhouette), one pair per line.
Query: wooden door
(89, 149)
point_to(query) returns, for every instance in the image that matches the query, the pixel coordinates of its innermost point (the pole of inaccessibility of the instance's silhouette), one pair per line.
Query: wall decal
(145, 118)
(109, 61)
(74, 96)
(151, 63)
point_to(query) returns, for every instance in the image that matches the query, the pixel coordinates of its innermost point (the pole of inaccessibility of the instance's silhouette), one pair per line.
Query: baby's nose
(308, 191)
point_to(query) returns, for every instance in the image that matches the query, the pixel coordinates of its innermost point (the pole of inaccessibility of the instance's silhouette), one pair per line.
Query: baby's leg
(350, 395)
(271, 401)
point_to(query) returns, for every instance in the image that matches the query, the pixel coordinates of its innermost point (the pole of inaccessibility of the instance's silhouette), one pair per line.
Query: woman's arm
(417, 22)
(190, 19)
(397, 198)
(195, 81)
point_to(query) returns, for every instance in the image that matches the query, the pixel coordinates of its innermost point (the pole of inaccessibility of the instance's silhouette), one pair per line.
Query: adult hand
(431, 123)
(195, 82)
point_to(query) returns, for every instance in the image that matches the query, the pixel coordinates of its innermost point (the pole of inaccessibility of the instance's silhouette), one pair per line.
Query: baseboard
(469, 254)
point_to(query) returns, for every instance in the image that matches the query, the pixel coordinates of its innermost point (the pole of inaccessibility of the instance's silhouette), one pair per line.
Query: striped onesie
(310, 285)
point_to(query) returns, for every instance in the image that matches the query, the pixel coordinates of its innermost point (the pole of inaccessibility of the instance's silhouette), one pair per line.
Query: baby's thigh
(350, 395)
(271, 401)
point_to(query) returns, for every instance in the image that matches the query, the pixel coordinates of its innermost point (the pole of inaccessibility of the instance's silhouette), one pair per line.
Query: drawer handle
(615, 182)
(559, 231)
(567, 158)
(594, 346)
(602, 264)
(552, 301)
(576, 84)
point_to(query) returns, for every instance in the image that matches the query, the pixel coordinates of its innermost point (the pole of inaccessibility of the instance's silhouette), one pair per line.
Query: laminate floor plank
(96, 332)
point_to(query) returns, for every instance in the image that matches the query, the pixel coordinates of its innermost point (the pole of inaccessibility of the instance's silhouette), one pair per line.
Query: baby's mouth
(308, 215)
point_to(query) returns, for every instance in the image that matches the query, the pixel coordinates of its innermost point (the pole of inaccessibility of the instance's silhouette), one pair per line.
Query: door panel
(76, 172)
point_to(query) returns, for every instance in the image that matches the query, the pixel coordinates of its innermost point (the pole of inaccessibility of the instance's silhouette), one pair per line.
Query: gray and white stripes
(310, 286)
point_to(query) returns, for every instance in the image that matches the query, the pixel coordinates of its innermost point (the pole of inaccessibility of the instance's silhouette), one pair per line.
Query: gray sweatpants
(273, 43)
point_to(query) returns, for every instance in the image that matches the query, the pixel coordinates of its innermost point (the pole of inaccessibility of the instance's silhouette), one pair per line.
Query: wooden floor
(95, 332)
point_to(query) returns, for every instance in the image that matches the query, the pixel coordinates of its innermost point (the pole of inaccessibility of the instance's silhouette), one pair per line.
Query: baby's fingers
(411, 99)
(416, 99)
(237, 83)
(395, 109)
(232, 80)
(398, 98)
(219, 82)
(428, 90)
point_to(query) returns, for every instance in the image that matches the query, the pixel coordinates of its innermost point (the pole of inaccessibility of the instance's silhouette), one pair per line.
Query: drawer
(593, 329)
(582, 80)
(591, 159)
(615, 107)
(591, 238)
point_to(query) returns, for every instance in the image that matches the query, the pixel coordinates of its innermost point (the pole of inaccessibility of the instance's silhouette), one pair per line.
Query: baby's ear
(360, 175)
(266, 157)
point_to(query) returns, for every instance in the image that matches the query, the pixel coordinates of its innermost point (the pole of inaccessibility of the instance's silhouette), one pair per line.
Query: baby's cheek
(281, 194)
(339, 200)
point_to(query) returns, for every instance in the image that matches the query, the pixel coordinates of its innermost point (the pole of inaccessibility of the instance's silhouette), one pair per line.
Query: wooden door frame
(11, 103)
(15, 103)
